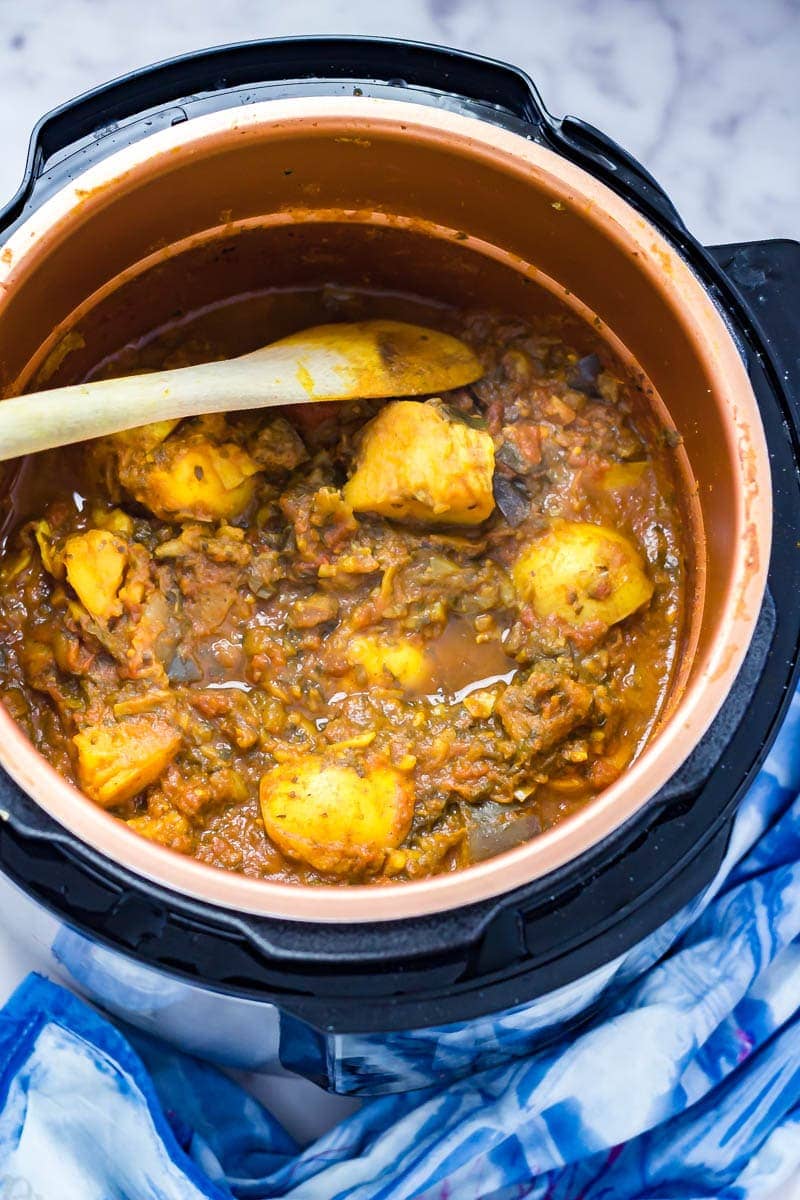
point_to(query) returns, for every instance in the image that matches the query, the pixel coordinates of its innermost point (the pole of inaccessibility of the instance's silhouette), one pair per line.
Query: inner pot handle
(606, 159)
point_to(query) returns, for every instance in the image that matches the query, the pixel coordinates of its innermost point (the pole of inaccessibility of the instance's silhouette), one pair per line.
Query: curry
(363, 642)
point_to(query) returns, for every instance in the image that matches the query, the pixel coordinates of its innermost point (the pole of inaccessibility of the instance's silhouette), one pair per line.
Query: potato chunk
(387, 662)
(329, 816)
(114, 520)
(146, 437)
(619, 477)
(582, 573)
(197, 481)
(95, 563)
(117, 761)
(416, 463)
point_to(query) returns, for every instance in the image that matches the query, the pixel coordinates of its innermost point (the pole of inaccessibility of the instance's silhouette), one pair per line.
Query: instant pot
(405, 166)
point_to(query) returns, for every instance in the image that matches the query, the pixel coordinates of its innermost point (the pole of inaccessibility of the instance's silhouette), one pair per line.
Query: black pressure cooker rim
(489, 956)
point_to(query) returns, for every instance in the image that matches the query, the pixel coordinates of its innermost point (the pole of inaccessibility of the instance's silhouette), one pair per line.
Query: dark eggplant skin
(585, 373)
(511, 499)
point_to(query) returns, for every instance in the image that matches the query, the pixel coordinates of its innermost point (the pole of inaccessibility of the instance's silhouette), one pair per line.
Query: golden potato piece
(117, 761)
(95, 563)
(416, 463)
(384, 661)
(197, 481)
(582, 573)
(618, 477)
(146, 437)
(115, 520)
(329, 816)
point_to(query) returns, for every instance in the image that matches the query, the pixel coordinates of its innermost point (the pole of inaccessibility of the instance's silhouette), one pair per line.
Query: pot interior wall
(188, 229)
(275, 269)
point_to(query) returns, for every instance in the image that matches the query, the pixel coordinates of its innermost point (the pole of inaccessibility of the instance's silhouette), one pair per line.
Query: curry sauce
(370, 641)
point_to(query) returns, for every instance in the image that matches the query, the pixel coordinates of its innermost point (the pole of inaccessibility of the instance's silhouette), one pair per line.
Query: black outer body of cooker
(499, 953)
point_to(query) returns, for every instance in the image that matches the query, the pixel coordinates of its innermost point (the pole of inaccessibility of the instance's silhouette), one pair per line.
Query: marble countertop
(706, 95)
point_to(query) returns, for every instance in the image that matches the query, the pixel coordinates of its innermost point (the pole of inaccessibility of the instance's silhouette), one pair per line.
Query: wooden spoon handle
(90, 410)
(369, 359)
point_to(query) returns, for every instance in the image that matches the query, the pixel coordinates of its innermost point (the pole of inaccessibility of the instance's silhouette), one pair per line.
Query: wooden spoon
(360, 360)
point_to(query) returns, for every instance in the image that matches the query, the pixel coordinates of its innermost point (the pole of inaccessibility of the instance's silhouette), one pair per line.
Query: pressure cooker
(424, 168)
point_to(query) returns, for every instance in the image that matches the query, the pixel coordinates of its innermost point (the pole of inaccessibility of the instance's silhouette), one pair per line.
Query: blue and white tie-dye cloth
(686, 1085)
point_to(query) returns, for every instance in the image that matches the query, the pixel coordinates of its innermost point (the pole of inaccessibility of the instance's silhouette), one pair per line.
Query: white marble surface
(705, 92)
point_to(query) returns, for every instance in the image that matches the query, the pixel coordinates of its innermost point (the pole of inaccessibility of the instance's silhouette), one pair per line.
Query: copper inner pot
(395, 197)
